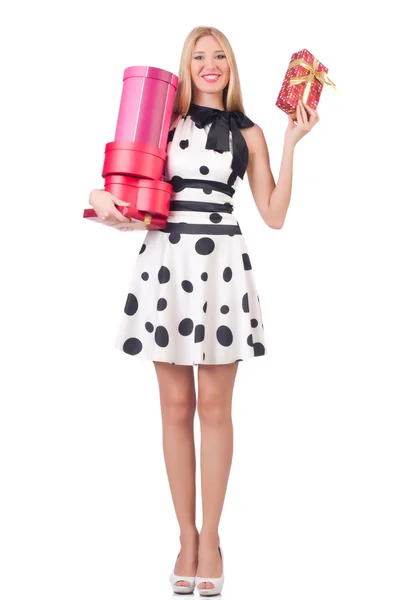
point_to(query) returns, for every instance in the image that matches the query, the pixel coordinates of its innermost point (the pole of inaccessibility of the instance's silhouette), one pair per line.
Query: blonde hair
(232, 96)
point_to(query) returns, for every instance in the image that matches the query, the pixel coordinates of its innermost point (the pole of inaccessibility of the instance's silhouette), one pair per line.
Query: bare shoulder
(255, 139)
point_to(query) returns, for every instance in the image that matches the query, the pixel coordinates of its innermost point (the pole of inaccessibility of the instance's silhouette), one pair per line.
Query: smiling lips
(211, 77)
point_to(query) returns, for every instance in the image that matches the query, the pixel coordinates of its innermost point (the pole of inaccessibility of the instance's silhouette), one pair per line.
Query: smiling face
(209, 59)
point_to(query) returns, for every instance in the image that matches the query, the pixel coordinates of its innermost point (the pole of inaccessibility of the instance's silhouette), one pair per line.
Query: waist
(194, 216)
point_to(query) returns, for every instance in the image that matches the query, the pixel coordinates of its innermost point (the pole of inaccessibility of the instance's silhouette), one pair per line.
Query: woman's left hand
(296, 131)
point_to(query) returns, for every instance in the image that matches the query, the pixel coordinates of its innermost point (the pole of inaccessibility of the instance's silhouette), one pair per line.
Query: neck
(209, 101)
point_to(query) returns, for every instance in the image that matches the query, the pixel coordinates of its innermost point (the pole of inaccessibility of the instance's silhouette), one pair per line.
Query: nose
(210, 64)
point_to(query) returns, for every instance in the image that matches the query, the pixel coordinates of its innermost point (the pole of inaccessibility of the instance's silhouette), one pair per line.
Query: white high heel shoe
(182, 589)
(217, 582)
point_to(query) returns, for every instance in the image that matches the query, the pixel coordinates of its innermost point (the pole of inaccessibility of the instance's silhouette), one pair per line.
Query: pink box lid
(153, 72)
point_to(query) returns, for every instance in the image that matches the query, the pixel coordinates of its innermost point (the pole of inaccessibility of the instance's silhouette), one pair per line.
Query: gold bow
(321, 76)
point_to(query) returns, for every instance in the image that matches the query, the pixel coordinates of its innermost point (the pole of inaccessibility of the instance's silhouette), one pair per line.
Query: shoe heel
(182, 589)
(217, 582)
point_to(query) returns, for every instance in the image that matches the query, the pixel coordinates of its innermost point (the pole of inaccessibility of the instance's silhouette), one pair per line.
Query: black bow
(224, 121)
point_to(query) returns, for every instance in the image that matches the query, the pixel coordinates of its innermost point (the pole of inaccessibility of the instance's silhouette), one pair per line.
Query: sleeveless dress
(192, 297)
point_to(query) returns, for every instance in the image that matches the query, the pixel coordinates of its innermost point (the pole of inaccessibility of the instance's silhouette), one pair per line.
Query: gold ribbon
(321, 76)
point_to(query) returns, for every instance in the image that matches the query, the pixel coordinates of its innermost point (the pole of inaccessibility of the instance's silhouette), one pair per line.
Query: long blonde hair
(232, 96)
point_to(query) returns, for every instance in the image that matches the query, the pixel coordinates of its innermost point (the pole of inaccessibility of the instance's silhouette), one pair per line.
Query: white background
(85, 506)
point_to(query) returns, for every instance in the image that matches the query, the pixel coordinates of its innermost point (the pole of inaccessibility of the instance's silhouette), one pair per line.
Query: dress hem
(201, 362)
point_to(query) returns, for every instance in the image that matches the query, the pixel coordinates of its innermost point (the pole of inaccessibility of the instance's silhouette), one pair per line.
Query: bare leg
(178, 406)
(215, 390)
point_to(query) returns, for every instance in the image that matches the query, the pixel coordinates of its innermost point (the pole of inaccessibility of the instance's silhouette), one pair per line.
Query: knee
(178, 409)
(213, 410)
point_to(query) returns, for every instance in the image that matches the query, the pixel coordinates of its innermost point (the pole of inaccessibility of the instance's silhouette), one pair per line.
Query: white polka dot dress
(192, 296)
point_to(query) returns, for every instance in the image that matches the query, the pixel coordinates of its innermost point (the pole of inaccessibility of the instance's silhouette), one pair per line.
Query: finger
(308, 121)
(121, 202)
(309, 109)
(299, 114)
(312, 111)
(114, 216)
(316, 116)
(304, 113)
(313, 114)
(120, 217)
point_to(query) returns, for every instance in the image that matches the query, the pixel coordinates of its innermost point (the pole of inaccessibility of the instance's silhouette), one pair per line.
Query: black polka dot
(132, 346)
(254, 323)
(205, 245)
(131, 305)
(205, 307)
(149, 326)
(145, 276)
(224, 309)
(199, 333)
(246, 262)
(161, 304)
(185, 327)
(224, 335)
(238, 360)
(204, 276)
(259, 349)
(187, 285)
(203, 355)
(207, 191)
(204, 170)
(215, 218)
(227, 274)
(177, 183)
(164, 275)
(250, 341)
(143, 248)
(245, 303)
(184, 144)
(161, 336)
(174, 237)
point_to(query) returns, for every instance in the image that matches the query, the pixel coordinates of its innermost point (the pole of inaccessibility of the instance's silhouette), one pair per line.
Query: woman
(197, 287)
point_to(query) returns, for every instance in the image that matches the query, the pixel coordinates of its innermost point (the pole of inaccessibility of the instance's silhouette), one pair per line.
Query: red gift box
(134, 159)
(304, 79)
(149, 202)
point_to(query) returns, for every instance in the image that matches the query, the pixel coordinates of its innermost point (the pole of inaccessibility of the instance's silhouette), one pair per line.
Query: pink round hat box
(146, 106)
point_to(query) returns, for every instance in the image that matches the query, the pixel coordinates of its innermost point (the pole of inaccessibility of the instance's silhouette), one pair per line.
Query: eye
(200, 56)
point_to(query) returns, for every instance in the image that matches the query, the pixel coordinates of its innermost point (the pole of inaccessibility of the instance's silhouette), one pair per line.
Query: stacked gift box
(134, 162)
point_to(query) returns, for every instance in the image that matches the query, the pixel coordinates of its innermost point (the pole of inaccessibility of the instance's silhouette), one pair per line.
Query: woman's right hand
(104, 202)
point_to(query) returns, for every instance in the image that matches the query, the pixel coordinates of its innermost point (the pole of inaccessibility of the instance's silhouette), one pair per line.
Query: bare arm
(272, 200)
(260, 176)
